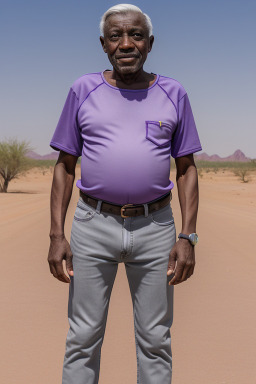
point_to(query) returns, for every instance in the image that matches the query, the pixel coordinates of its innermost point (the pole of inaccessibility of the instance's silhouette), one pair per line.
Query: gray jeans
(99, 242)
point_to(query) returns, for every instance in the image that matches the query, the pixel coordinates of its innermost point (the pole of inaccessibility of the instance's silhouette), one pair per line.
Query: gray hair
(124, 8)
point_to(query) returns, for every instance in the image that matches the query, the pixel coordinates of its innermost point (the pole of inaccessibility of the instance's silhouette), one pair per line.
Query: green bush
(13, 162)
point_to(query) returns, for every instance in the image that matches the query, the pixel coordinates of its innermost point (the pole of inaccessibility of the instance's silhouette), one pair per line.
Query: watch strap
(183, 236)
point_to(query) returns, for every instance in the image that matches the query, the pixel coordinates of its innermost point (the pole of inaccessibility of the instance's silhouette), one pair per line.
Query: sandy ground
(213, 334)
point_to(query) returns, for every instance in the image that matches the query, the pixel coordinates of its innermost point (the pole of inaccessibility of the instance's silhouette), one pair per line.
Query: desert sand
(213, 333)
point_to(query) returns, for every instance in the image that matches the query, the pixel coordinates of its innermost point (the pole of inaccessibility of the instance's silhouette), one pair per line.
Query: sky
(209, 47)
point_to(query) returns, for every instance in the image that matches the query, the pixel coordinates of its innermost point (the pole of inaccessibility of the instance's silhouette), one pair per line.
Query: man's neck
(138, 80)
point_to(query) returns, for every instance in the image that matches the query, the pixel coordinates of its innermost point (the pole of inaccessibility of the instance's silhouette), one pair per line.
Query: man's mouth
(126, 59)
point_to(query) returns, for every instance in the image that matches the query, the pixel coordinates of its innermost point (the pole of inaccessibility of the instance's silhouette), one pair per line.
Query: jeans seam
(122, 242)
(137, 354)
(84, 218)
(131, 238)
(131, 242)
(162, 224)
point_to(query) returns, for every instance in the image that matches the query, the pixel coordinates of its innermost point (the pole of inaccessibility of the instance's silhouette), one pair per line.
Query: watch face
(193, 238)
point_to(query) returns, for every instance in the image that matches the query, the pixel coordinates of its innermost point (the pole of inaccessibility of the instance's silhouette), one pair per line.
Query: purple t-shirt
(126, 136)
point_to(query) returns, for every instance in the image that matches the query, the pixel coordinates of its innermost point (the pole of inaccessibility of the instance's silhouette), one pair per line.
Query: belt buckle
(122, 209)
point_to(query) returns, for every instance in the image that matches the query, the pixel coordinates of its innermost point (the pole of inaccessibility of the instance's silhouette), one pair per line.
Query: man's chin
(126, 69)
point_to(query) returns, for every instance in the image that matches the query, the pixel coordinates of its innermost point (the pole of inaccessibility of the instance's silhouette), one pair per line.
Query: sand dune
(213, 334)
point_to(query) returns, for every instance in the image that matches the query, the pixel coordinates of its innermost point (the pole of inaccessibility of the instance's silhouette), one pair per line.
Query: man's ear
(103, 43)
(151, 41)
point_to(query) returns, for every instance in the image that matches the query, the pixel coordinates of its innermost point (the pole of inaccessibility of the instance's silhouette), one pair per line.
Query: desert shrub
(242, 174)
(13, 162)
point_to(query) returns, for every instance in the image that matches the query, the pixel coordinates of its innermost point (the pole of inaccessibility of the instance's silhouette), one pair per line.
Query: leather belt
(127, 210)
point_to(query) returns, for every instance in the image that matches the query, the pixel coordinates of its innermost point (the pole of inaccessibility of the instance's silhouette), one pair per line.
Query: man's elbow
(68, 161)
(183, 164)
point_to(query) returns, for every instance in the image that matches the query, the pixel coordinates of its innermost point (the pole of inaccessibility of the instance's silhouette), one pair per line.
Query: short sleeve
(185, 139)
(67, 136)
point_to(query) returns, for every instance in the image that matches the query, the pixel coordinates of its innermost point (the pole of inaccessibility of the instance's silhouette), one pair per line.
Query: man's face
(126, 41)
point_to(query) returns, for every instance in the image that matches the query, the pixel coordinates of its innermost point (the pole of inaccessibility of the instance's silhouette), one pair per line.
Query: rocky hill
(236, 156)
(50, 156)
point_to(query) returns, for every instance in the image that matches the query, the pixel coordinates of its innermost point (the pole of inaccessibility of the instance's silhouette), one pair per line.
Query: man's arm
(62, 185)
(183, 252)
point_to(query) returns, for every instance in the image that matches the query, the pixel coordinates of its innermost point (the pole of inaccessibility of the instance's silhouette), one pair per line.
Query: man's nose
(126, 42)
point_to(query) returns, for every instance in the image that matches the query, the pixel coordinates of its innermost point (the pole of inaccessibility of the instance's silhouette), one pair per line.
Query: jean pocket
(83, 211)
(159, 132)
(163, 216)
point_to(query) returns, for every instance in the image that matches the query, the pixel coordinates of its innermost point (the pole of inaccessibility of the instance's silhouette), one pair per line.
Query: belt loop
(98, 208)
(145, 209)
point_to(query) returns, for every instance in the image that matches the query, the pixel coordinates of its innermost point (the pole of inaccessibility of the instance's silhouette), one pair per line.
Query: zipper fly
(127, 237)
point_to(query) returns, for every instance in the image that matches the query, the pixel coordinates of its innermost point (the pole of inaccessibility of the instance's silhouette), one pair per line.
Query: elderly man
(125, 123)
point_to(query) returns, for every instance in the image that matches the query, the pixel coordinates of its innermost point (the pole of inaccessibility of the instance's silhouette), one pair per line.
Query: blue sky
(209, 47)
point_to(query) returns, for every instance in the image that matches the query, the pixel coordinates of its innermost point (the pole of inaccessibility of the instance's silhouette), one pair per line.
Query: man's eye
(114, 35)
(136, 34)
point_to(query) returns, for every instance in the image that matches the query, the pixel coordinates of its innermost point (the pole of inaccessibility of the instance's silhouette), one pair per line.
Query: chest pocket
(159, 132)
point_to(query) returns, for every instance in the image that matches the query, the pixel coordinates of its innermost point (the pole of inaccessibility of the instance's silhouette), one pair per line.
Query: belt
(127, 210)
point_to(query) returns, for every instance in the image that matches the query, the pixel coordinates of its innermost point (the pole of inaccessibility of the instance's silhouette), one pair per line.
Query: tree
(242, 174)
(13, 161)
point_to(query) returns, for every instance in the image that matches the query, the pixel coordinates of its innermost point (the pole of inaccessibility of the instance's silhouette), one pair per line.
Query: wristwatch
(192, 237)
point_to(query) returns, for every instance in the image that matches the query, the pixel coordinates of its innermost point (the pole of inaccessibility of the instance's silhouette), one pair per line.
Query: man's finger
(60, 273)
(178, 273)
(69, 264)
(171, 263)
(53, 270)
(186, 271)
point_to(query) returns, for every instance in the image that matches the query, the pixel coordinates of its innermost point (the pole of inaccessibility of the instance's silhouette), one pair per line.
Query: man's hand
(59, 251)
(183, 255)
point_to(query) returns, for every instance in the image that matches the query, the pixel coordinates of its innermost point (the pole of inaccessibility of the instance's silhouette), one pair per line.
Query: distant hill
(51, 156)
(236, 156)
